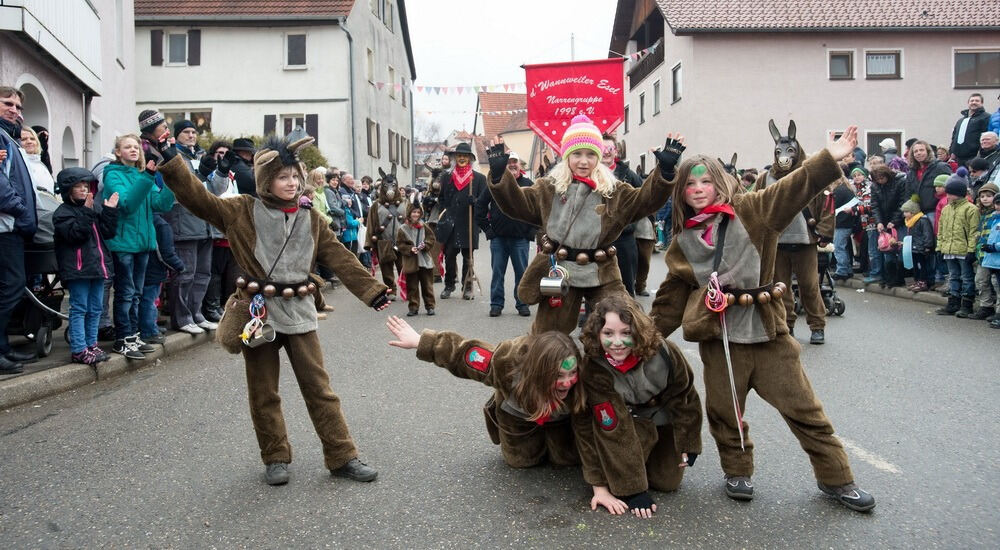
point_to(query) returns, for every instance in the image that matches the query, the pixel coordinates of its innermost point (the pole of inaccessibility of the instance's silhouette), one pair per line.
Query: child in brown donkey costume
(276, 243)
(414, 241)
(642, 426)
(581, 209)
(534, 378)
(719, 230)
(385, 217)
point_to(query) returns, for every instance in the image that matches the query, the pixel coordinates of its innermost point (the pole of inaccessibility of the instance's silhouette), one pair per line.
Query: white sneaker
(192, 329)
(208, 325)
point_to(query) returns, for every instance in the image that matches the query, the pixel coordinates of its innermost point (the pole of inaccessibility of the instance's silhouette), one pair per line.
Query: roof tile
(183, 8)
(499, 101)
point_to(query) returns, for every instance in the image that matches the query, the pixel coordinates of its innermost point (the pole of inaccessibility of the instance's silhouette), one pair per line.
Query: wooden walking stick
(470, 275)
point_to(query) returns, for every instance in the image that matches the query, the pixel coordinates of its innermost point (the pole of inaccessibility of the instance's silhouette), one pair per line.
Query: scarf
(625, 365)
(586, 181)
(707, 213)
(913, 220)
(545, 417)
(461, 176)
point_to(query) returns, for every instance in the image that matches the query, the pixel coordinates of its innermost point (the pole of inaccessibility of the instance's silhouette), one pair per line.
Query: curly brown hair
(536, 378)
(647, 338)
(883, 171)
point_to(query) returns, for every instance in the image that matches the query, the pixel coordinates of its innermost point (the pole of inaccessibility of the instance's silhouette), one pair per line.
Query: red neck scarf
(545, 417)
(417, 225)
(626, 365)
(586, 181)
(707, 213)
(461, 176)
(290, 210)
(614, 164)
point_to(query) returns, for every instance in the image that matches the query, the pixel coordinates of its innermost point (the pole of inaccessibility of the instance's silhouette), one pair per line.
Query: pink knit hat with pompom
(582, 134)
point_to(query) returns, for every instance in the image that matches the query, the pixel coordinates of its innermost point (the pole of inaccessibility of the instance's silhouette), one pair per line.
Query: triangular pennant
(459, 89)
(420, 89)
(379, 85)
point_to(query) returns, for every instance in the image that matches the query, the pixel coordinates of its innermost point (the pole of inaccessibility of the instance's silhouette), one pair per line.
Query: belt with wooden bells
(746, 297)
(271, 289)
(582, 256)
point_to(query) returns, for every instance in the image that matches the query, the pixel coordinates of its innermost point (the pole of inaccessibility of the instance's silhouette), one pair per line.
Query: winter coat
(335, 208)
(17, 194)
(165, 256)
(185, 225)
(455, 205)
(404, 245)
(992, 259)
(495, 223)
(319, 203)
(924, 188)
(138, 199)
(350, 227)
(994, 125)
(243, 173)
(887, 199)
(978, 122)
(625, 174)
(958, 228)
(41, 178)
(355, 206)
(923, 235)
(842, 195)
(79, 237)
(987, 220)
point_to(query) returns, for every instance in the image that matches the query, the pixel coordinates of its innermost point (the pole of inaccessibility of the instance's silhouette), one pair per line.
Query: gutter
(350, 64)
(88, 144)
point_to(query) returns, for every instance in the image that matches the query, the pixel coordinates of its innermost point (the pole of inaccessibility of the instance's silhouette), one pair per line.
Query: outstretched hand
(498, 158)
(844, 145)
(603, 497)
(112, 201)
(668, 157)
(406, 337)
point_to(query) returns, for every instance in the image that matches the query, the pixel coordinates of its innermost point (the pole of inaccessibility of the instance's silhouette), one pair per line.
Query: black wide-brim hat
(244, 144)
(463, 149)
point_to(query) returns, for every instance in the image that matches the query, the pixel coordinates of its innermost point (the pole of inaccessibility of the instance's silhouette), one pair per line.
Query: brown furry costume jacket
(523, 442)
(638, 422)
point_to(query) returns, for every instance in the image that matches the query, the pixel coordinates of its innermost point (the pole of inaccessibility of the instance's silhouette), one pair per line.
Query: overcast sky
(479, 42)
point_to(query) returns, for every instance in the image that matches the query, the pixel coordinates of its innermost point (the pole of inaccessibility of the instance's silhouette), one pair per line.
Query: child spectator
(414, 241)
(84, 260)
(957, 244)
(991, 254)
(940, 266)
(165, 256)
(988, 217)
(868, 243)
(921, 232)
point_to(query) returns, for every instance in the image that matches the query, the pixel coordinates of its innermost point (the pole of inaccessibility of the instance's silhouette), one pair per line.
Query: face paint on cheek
(607, 343)
(698, 170)
(628, 342)
(568, 383)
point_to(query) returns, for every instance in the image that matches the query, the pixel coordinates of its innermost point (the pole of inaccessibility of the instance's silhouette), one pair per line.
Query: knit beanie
(910, 206)
(182, 125)
(958, 183)
(858, 170)
(941, 180)
(149, 119)
(582, 134)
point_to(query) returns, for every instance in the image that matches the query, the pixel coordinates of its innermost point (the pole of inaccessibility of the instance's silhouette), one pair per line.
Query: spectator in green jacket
(957, 235)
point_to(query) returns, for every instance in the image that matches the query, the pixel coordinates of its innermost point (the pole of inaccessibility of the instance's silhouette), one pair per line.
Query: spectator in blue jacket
(164, 257)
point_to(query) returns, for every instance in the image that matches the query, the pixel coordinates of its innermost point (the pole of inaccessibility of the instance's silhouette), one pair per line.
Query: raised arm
(192, 194)
(471, 359)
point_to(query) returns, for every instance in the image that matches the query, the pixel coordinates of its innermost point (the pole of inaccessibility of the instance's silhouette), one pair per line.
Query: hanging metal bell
(600, 255)
(287, 293)
(777, 292)
(303, 291)
(763, 297)
(612, 251)
(811, 222)
(311, 287)
(746, 300)
(730, 299)
(241, 282)
(253, 287)
(270, 291)
(562, 253)
(547, 247)
(582, 258)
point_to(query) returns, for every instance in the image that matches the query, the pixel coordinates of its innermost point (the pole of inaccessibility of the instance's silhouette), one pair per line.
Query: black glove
(639, 501)
(380, 300)
(435, 172)
(207, 165)
(989, 247)
(166, 149)
(226, 163)
(489, 233)
(691, 458)
(668, 157)
(498, 158)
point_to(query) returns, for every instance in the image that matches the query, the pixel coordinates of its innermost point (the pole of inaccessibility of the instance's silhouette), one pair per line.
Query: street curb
(931, 297)
(32, 387)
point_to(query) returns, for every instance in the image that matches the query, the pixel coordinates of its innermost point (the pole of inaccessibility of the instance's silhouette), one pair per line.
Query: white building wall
(112, 112)
(733, 83)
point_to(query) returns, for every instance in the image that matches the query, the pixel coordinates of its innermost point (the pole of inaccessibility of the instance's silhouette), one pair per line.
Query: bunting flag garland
(508, 87)
(462, 112)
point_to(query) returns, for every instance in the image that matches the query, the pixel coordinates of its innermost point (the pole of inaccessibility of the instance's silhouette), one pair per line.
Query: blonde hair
(562, 176)
(726, 187)
(34, 135)
(317, 178)
(140, 163)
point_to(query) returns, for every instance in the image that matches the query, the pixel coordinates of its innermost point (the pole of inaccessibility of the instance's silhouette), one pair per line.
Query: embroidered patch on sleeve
(478, 358)
(604, 413)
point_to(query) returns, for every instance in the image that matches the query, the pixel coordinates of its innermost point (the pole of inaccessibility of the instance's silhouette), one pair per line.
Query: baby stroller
(38, 315)
(827, 288)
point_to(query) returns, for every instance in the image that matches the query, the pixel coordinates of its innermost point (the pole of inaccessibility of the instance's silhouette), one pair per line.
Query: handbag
(887, 240)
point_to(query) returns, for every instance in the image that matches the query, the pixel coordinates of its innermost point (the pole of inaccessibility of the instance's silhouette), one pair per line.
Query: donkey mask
(388, 192)
(787, 151)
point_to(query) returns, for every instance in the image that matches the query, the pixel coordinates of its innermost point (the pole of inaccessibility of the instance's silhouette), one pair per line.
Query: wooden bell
(311, 287)
(270, 291)
(287, 293)
(600, 255)
(582, 258)
(612, 251)
(777, 292)
(763, 297)
(562, 253)
(303, 291)
(730, 299)
(253, 287)
(241, 282)
(746, 300)
(811, 222)
(547, 247)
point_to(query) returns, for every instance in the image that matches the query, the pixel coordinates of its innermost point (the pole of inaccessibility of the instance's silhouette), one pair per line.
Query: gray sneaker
(356, 470)
(739, 487)
(276, 474)
(850, 496)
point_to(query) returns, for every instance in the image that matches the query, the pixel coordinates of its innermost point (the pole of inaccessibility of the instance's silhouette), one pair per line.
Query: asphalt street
(167, 458)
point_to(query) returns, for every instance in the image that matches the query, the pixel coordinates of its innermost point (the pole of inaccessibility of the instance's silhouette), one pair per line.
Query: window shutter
(312, 127)
(156, 47)
(194, 47)
(270, 121)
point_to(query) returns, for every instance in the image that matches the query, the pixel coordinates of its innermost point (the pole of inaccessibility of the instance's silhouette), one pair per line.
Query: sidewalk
(932, 297)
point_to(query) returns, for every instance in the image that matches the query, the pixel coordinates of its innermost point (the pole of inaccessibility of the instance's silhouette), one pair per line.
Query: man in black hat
(460, 189)
(240, 160)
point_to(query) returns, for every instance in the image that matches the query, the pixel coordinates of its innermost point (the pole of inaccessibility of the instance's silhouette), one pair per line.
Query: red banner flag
(559, 91)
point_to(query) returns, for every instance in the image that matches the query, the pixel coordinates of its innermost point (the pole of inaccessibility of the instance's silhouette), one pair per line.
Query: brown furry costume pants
(642, 271)
(305, 355)
(389, 271)
(565, 317)
(420, 284)
(801, 261)
(773, 370)
(526, 444)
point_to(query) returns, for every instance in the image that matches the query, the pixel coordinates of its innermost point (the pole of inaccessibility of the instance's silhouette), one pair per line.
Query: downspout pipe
(88, 143)
(350, 64)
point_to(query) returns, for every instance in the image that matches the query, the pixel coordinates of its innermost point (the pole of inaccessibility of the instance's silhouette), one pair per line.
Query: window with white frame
(656, 98)
(374, 128)
(290, 122)
(642, 107)
(391, 82)
(883, 64)
(177, 48)
(625, 122)
(841, 65)
(977, 69)
(402, 90)
(675, 78)
(370, 66)
(202, 118)
(387, 16)
(374, 4)
(295, 51)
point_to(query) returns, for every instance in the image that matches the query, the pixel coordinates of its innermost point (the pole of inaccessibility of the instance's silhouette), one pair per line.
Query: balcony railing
(645, 66)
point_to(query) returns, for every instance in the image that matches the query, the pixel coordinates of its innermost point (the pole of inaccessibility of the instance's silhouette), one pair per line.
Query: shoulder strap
(720, 242)
(282, 251)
